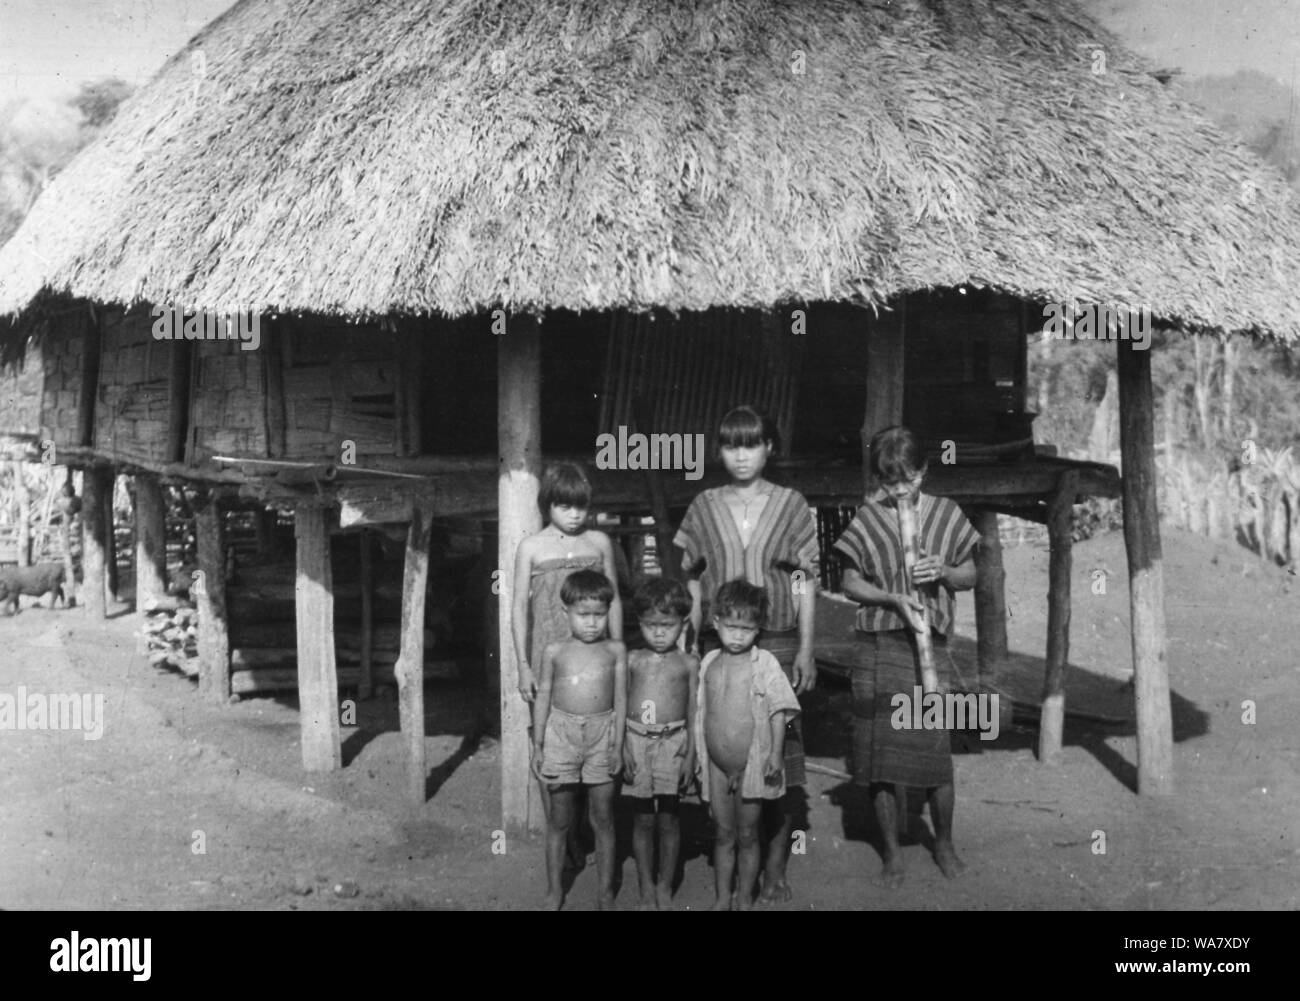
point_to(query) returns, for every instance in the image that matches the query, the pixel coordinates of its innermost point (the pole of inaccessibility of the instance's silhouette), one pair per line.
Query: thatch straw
(373, 156)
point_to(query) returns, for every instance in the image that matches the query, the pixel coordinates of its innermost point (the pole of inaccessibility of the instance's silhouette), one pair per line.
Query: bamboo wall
(62, 352)
(21, 385)
(340, 384)
(228, 411)
(134, 399)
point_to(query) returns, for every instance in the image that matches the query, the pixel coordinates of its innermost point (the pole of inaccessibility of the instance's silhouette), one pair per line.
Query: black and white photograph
(655, 455)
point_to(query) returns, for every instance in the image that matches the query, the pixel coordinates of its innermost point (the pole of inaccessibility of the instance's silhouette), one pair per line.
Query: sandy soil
(186, 805)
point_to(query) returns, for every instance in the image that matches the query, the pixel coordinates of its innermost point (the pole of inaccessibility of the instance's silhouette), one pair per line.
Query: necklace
(744, 514)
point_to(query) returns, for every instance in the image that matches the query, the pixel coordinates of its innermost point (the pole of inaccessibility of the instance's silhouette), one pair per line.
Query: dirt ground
(190, 806)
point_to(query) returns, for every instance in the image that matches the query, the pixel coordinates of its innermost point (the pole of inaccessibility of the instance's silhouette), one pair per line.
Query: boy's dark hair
(662, 595)
(564, 484)
(742, 599)
(586, 585)
(896, 455)
(745, 427)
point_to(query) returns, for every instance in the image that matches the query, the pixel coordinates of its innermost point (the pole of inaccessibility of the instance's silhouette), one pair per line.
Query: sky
(49, 47)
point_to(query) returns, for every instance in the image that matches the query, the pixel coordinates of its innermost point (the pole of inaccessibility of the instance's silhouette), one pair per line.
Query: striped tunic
(784, 540)
(871, 545)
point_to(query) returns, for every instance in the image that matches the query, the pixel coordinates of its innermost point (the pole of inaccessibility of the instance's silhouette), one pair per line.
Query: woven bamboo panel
(340, 384)
(20, 394)
(693, 368)
(133, 401)
(62, 349)
(228, 400)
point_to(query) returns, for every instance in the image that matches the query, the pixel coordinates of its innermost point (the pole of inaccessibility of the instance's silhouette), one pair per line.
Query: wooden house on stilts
(605, 215)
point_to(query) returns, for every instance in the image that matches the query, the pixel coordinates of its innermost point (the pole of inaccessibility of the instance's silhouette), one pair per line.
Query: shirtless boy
(659, 750)
(745, 702)
(580, 714)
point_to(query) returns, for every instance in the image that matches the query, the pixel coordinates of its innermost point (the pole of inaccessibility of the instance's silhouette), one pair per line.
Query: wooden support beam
(178, 399)
(88, 391)
(1155, 749)
(69, 506)
(274, 362)
(96, 482)
(1059, 527)
(318, 684)
(519, 445)
(366, 686)
(884, 351)
(669, 564)
(150, 541)
(990, 596)
(409, 670)
(209, 594)
(110, 538)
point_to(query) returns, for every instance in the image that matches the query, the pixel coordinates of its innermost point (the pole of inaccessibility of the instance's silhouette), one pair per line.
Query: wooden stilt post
(1059, 526)
(318, 685)
(110, 537)
(150, 541)
(95, 482)
(1155, 744)
(409, 669)
(24, 539)
(69, 505)
(519, 444)
(990, 597)
(366, 688)
(209, 594)
(884, 407)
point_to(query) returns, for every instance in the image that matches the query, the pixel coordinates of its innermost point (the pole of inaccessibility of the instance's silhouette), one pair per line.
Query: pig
(44, 578)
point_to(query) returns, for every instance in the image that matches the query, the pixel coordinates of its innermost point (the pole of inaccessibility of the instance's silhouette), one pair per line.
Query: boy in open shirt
(745, 702)
(579, 722)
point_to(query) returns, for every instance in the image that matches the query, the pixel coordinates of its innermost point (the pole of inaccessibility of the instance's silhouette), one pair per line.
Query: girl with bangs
(766, 534)
(543, 562)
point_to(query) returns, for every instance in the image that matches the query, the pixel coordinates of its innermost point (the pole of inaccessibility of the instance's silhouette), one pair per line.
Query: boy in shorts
(579, 723)
(659, 749)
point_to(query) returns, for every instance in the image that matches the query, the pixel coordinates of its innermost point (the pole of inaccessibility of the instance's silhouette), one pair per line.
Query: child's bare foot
(775, 891)
(605, 901)
(663, 896)
(553, 901)
(946, 858)
(892, 872)
(722, 904)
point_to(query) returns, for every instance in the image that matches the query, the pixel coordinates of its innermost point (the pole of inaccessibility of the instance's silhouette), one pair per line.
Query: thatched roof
(372, 156)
